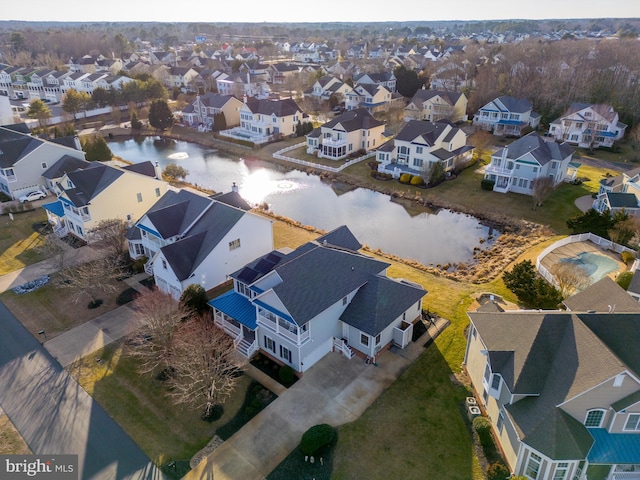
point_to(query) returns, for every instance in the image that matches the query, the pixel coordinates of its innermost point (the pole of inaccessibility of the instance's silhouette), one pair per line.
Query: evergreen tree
(160, 115)
(136, 124)
(96, 149)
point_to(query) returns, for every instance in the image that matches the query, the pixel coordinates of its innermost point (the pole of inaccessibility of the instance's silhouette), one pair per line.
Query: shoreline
(516, 235)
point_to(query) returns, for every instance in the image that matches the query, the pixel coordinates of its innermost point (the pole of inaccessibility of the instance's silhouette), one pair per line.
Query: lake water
(376, 220)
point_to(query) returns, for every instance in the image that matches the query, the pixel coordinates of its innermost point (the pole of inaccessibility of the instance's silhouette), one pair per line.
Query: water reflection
(392, 225)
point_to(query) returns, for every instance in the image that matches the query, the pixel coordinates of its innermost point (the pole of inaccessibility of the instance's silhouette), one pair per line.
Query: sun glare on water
(258, 185)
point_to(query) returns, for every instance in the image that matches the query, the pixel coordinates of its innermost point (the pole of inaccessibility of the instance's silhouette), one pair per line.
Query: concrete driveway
(334, 391)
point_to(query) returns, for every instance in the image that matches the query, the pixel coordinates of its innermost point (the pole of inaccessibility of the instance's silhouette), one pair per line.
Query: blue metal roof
(610, 448)
(148, 230)
(55, 207)
(237, 307)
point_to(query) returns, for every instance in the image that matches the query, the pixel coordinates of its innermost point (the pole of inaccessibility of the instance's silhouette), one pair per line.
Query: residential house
(84, 64)
(163, 58)
(24, 159)
(325, 296)
(346, 134)
(202, 111)
(507, 115)
(109, 65)
(279, 73)
(515, 167)
(102, 192)
(326, 86)
(434, 105)
(603, 296)
(180, 77)
(53, 175)
(193, 239)
(372, 97)
(420, 145)
(242, 84)
(620, 192)
(264, 120)
(588, 125)
(561, 390)
(386, 79)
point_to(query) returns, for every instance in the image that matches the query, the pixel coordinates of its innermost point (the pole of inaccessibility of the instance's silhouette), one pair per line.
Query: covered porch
(56, 217)
(236, 315)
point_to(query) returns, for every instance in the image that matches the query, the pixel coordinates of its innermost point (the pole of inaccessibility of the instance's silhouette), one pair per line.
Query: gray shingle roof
(554, 356)
(279, 108)
(622, 200)
(379, 302)
(422, 132)
(541, 150)
(90, 181)
(341, 237)
(512, 104)
(143, 168)
(422, 96)
(353, 120)
(66, 164)
(600, 296)
(175, 211)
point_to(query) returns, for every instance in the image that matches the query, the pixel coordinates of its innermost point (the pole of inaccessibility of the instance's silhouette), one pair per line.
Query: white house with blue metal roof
(506, 115)
(325, 296)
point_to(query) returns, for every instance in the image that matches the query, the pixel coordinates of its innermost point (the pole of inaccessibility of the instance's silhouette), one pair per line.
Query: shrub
(286, 374)
(315, 438)
(405, 178)
(417, 180)
(374, 173)
(138, 264)
(483, 427)
(498, 471)
(194, 299)
(624, 279)
(627, 257)
(487, 184)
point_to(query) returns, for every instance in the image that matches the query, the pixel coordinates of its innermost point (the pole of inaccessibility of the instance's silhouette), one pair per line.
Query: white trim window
(533, 466)
(364, 339)
(561, 471)
(594, 418)
(633, 422)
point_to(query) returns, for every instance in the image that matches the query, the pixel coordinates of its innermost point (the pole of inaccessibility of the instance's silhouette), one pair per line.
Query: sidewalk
(72, 256)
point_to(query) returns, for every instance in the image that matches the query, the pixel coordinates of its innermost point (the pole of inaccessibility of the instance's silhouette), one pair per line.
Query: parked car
(31, 196)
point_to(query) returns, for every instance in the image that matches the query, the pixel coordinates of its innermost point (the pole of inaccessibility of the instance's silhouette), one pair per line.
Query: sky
(213, 11)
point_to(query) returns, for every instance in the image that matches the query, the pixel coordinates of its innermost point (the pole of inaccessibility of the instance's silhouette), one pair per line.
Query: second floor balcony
(334, 141)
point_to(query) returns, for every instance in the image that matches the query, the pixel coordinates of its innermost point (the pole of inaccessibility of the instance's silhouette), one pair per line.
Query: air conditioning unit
(471, 401)
(473, 412)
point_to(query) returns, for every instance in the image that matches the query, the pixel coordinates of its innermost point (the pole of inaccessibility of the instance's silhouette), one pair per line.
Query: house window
(139, 196)
(417, 162)
(44, 165)
(364, 339)
(344, 300)
(418, 149)
(561, 471)
(378, 338)
(500, 422)
(138, 249)
(535, 169)
(485, 396)
(269, 344)
(234, 244)
(495, 381)
(633, 422)
(285, 353)
(533, 466)
(157, 192)
(594, 418)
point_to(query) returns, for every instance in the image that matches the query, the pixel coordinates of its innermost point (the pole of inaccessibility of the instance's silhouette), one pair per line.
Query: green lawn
(141, 406)
(20, 244)
(464, 193)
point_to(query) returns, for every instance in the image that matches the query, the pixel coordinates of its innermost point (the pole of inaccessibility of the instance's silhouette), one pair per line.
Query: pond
(378, 221)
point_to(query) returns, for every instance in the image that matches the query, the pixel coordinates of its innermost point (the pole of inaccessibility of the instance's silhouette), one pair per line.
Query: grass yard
(50, 308)
(465, 193)
(19, 242)
(11, 443)
(164, 431)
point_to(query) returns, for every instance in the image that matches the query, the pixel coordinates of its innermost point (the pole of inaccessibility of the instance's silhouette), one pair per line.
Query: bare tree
(481, 141)
(206, 365)
(570, 278)
(153, 342)
(109, 235)
(541, 188)
(90, 279)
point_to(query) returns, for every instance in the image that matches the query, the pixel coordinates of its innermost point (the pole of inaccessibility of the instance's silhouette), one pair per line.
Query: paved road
(55, 415)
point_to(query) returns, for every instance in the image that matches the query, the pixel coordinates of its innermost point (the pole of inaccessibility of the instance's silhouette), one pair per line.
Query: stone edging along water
(516, 236)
